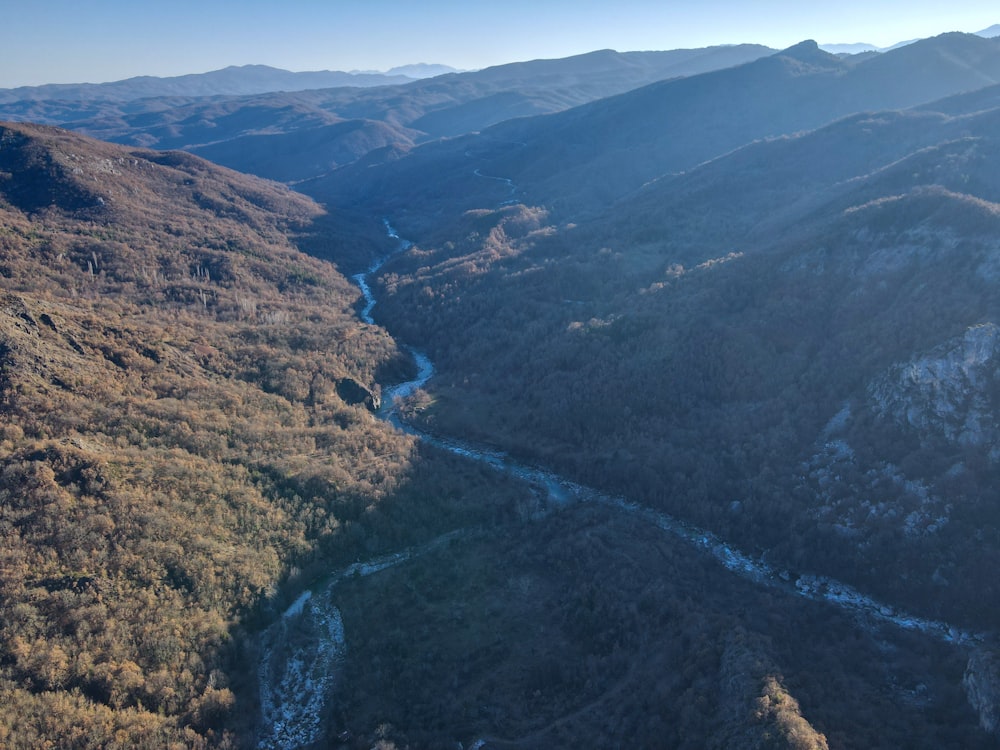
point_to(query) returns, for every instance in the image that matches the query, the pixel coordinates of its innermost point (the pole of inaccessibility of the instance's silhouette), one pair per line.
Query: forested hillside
(581, 161)
(798, 358)
(174, 442)
(704, 456)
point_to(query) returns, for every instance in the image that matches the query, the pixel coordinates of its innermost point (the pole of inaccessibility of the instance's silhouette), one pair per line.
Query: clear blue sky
(72, 41)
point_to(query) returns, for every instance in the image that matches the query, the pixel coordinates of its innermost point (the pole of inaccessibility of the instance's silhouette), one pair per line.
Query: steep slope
(692, 346)
(182, 431)
(762, 191)
(293, 156)
(592, 629)
(175, 122)
(577, 161)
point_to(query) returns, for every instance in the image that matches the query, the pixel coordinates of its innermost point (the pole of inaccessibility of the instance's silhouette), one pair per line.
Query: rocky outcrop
(948, 391)
(352, 392)
(982, 686)
(301, 656)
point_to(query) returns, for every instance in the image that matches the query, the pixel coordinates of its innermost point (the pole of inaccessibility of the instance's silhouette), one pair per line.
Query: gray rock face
(982, 686)
(301, 658)
(947, 391)
(352, 392)
(948, 396)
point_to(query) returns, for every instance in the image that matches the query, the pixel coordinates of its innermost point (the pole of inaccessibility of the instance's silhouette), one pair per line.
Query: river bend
(560, 490)
(293, 694)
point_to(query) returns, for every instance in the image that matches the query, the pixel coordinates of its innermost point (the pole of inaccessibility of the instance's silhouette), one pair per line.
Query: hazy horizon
(110, 40)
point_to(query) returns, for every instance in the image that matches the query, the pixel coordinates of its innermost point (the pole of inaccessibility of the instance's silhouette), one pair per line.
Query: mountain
(184, 442)
(181, 456)
(259, 133)
(234, 80)
(761, 300)
(578, 160)
(755, 300)
(849, 49)
(991, 32)
(791, 344)
(794, 345)
(305, 151)
(421, 70)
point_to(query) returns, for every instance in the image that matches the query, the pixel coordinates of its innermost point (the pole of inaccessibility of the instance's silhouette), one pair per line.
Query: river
(293, 695)
(561, 490)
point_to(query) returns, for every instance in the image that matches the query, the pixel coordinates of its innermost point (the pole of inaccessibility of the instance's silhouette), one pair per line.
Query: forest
(176, 458)
(759, 299)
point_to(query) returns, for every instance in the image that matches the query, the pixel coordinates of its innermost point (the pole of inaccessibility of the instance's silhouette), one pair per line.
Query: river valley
(298, 674)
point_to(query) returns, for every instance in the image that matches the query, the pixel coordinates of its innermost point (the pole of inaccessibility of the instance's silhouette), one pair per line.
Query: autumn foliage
(172, 443)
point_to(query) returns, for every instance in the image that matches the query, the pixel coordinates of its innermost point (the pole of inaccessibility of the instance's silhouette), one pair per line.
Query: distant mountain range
(232, 81)
(294, 135)
(421, 70)
(861, 47)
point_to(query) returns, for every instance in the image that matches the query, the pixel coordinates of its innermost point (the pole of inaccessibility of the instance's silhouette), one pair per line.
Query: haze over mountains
(587, 156)
(751, 289)
(232, 81)
(861, 47)
(294, 136)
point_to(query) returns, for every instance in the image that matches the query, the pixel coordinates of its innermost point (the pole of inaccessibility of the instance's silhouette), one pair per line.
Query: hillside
(184, 442)
(797, 359)
(711, 362)
(578, 161)
(787, 338)
(591, 628)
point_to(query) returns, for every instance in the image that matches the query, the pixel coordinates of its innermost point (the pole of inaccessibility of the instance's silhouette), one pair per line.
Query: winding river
(561, 490)
(293, 688)
(505, 180)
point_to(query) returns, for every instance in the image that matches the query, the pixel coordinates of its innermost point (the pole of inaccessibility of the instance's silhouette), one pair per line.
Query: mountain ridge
(579, 159)
(231, 80)
(443, 106)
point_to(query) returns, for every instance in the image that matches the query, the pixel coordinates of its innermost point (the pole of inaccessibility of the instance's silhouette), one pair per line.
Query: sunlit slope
(174, 444)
